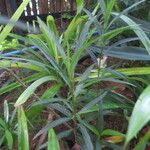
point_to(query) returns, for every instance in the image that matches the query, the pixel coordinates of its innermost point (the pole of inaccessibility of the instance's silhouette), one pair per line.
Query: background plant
(57, 61)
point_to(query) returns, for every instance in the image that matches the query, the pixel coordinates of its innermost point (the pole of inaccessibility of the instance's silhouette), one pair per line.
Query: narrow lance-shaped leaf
(9, 138)
(53, 143)
(107, 14)
(13, 64)
(51, 24)
(128, 53)
(60, 135)
(15, 85)
(1, 140)
(2, 123)
(30, 90)
(23, 138)
(80, 5)
(125, 11)
(43, 48)
(136, 28)
(142, 142)
(108, 132)
(52, 125)
(83, 77)
(102, 5)
(89, 126)
(61, 109)
(85, 33)
(52, 45)
(71, 29)
(87, 138)
(93, 102)
(6, 111)
(15, 17)
(34, 110)
(50, 34)
(126, 71)
(140, 115)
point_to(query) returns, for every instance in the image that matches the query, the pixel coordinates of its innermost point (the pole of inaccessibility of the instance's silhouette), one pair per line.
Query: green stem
(74, 108)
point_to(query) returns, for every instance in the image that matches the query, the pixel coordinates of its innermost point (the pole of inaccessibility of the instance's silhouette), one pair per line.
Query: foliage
(9, 44)
(72, 96)
(7, 29)
(6, 127)
(140, 115)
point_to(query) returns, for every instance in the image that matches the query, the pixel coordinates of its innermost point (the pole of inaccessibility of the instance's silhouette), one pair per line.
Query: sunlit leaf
(108, 11)
(53, 143)
(140, 115)
(9, 138)
(30, 90)
(23, 138)
(80, 5)
(14, 18)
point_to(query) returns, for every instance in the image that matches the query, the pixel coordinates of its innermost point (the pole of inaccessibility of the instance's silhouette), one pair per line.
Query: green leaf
(78, 54)
(140, 115)
(30, 90)
(126, 11)
(139, 32)
(145, 25)
(53, 143)
(93, 102)
(110, 132)
(14, 18)
(51, 92)
(102, 5)
(83, 77)
(52, 125)
(13, 64)
(2, 123)
(6, 111)
(52, 27)
(80, 5)
(51, 24)
(45, 102)
(142, 142)
(85, 33)
(15, 85)
(60, 108)
(126, 71)
(44, 49)
(9, 139)
(112, 33)
(86, 138)
(2, 140)
(107, 14)
(23, 137)
(89, 126)
(50, 34)
(71, 29)
(34, 110)
(127, 52)
(64, 134)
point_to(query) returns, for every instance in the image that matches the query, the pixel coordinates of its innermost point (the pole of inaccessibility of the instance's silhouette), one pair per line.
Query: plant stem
(74, 108)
